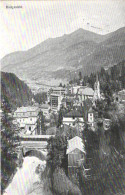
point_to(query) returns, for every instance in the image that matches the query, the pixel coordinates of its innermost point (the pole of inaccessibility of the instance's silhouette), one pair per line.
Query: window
(30, 119)
(90, 114)
(29, 128)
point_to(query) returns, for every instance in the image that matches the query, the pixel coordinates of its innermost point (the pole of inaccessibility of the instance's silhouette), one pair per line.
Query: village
(69, 133)
(62, 113)
(66, 108)
(71, 98)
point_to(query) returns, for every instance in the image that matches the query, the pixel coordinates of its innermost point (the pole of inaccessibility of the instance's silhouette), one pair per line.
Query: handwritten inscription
(14, 7)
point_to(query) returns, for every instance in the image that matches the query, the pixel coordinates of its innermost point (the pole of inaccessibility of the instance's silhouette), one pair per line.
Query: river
(26, 178)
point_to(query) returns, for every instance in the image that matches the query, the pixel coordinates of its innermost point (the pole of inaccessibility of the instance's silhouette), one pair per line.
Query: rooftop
(36, 136)
(54, 94)
(76, 87)
(90, 110)
(73, 113)
(82, 87)
(27, 109)
(74, 143)
(87, 91)
(58, 88)
(45, 106)
(122, 92)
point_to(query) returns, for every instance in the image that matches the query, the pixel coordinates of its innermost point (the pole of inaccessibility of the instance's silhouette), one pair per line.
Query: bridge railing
(35, 137)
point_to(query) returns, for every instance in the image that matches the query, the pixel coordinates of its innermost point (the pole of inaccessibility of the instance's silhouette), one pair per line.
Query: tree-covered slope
(15, 90)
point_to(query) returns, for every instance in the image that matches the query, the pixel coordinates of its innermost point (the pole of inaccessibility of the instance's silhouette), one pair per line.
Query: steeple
(97, 78)
(97, 89)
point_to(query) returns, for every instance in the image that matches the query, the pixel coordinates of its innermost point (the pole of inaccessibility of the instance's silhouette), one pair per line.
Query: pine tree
(80, 75)
(60, 117)
(38, 127)
(41, 129)
(9, 143)
(56, 151)
(56, 157)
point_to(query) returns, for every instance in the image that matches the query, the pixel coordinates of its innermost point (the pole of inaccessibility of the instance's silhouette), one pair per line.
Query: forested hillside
(15, 90)
(113, 77)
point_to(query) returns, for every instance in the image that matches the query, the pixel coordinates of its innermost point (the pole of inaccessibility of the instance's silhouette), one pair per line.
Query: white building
(75, 89)
(26, 118)
(56, 91)
(59, 90)
(91, 117)
(72, 118)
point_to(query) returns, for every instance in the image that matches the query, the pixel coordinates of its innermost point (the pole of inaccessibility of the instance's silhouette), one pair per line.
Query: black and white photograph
(62, 113)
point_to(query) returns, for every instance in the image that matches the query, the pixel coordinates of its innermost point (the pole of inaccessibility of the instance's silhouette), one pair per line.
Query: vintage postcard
(62, 110)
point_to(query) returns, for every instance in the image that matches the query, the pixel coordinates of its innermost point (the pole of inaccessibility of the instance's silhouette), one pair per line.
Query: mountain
(15, 90)
(57, 59)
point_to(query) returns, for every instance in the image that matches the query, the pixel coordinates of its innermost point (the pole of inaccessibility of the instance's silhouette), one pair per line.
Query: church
(97, 89)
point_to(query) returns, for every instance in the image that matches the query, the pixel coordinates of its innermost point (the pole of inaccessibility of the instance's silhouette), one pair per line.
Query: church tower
(97, 89)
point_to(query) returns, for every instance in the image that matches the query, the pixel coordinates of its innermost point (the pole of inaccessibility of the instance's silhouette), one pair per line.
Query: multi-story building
(91, 117)
(57, 91)
(72, 118)
(55, 101)
(26, 118)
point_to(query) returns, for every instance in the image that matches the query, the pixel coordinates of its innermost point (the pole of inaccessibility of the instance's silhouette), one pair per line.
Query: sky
(23, 28)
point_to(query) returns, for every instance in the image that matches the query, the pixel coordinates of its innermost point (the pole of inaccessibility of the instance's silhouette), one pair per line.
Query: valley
(56, 60)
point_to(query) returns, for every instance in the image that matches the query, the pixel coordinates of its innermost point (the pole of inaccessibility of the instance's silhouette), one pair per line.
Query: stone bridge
(34, 143)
